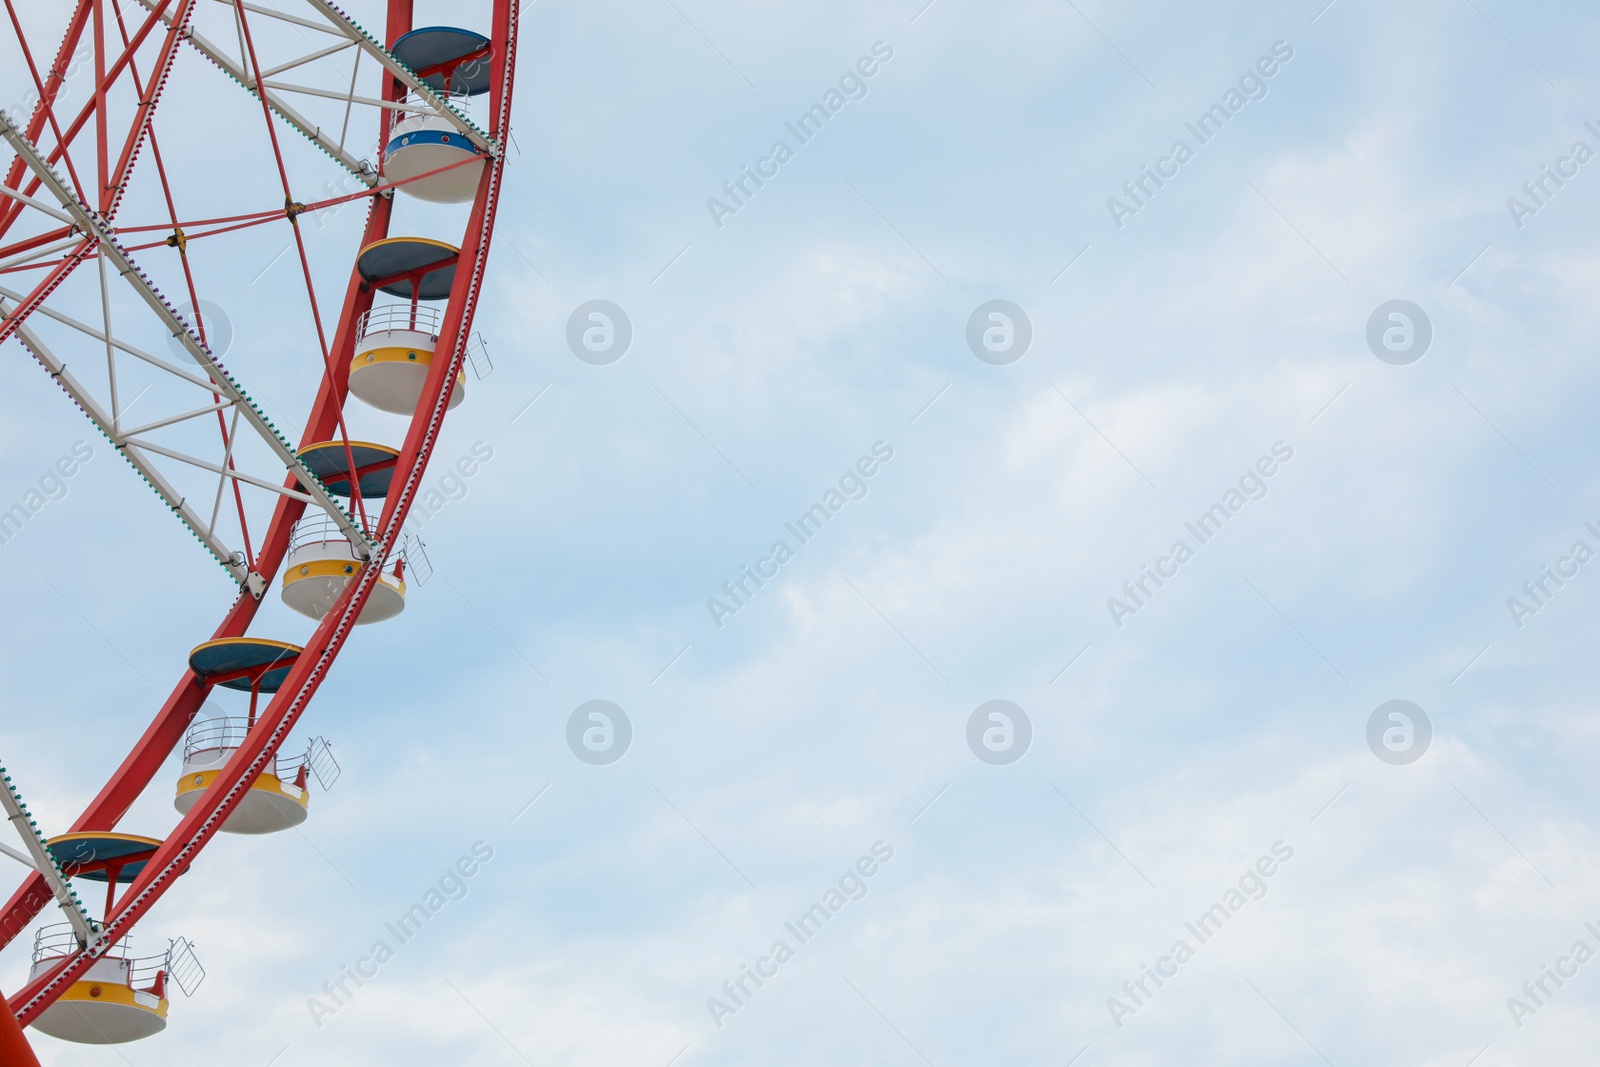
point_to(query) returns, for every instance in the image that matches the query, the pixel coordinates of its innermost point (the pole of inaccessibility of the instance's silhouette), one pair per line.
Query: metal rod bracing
(221, 383)
(360, 168)
(227, 462)
(352, 98)
(120, 345)
(283, 16)
(39, 253)
(132, 451)
(21, 857)
(23, 198)
(128, 435)
(206, 465)
(303, 60)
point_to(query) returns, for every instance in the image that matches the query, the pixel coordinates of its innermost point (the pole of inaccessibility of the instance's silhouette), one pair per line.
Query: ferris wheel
(161, 150)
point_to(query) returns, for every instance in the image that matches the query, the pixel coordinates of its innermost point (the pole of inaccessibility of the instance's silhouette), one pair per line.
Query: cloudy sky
(1167, 743)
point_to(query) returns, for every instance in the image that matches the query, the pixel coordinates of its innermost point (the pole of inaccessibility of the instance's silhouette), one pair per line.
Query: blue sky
(1168, 755)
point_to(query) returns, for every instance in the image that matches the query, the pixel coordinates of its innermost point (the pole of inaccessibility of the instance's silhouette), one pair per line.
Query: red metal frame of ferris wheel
(138, 769)
(110, 181)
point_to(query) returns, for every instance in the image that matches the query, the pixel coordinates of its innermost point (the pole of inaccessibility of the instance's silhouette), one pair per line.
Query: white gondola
(276, 800)
(322, 561)
(456, 64)
(119, 997)
(394, 351)
(423, 144)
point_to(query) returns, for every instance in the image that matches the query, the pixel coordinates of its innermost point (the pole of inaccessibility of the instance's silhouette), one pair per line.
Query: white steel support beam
(21, 857)
(39, 858)
(39, 253)
(37, 205)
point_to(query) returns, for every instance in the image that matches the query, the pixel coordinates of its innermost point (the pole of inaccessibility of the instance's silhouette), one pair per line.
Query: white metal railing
(149, 972)
(316, 530)
(420, 318)
(478, 356)
(146, 973)
(222, 736)
(409, 557)
(319, 757)
(415, 552)
(417, 317)
(60, 939)
(227, 733)
(183, 966)
(416, 104)
(208, 735)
